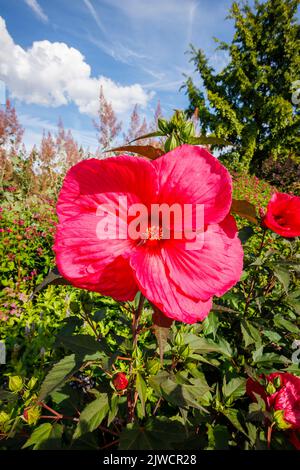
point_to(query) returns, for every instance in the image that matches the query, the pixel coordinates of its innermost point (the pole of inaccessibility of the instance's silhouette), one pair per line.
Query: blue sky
(54, 54)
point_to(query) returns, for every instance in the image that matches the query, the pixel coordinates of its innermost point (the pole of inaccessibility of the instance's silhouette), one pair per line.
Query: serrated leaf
(157, 433)
(218, 437)
(57, 376)
(234, 389)
(211, 324)
(142, 391)
(244, 209)
(285, 324)
(85, 347)
(234, 417)
(44, 434)
(203, 345)
(179, 395)
(92, 416)
(113, 409)
(282, 275)
(250, 334)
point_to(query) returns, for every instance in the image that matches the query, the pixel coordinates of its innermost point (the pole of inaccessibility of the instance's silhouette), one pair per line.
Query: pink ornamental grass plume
(179, 281)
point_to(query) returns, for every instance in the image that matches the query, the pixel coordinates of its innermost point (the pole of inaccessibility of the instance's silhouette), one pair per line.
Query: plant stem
(131, 402)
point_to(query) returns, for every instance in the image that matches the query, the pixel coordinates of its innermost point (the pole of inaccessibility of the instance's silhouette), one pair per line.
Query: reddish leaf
(244, 209)
(144, 150)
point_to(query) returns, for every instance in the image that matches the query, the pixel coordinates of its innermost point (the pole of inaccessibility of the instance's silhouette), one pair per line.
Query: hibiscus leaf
(283, 275)
(54, 277)
(85, 347)
(285, 324)
(235, 417)
(250, 334)
(144, 150)
(45, 436)
(142, 390)
(244, 209)
(157, 433)
(234, 389)
(57, 376)
(92, 415)
(218, 437)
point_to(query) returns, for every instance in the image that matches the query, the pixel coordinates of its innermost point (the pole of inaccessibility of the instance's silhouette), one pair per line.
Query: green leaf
(44, 436)
(157, 433)
(282, 275)
(285, 324)
(57, 376)
(92, 415)
(235, 418)
(211, 324)
(182, 395)
(261, 358)
(142, 391)
(113, 409)
(273, 336)
(202, 345)
(250, 333)
(85, 347)
(234, 389)
(218, 437)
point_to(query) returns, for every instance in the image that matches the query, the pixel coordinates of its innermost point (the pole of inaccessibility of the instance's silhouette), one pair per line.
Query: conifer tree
(249, 102)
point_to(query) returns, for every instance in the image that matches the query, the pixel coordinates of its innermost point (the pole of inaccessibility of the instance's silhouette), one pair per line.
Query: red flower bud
(25, 414)
(120, 381)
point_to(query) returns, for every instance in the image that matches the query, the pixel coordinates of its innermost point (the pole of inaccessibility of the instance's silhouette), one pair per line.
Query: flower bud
(120, 381)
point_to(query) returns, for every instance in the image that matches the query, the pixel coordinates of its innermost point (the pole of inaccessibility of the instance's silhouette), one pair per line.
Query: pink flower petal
(191, 175)
(93, 182)
(92, 263)
(153, 280)
(210, 270)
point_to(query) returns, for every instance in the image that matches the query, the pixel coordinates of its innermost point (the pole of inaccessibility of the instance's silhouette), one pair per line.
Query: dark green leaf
(57, 376)
(92, 415)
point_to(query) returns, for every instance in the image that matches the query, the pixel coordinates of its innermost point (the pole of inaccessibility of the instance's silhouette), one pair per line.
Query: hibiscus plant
(184, 311)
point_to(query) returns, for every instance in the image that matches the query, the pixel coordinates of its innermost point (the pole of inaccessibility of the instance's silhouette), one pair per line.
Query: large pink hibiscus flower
(179, 281)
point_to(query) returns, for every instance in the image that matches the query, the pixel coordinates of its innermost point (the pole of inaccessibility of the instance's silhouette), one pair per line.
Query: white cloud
(37, 9)
(54, 74)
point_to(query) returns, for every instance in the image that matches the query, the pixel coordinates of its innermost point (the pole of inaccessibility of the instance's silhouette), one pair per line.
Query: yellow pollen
(153, 233)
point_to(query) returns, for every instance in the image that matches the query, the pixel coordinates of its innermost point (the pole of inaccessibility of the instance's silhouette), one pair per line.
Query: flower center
(153, 233)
